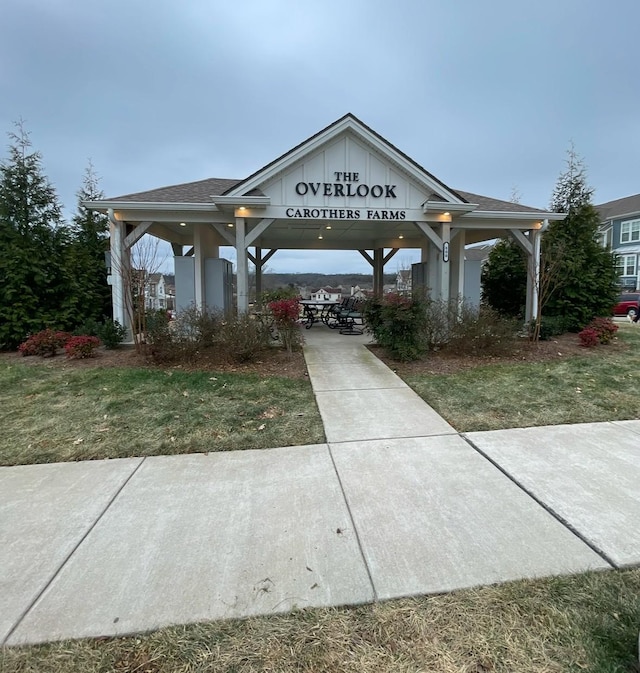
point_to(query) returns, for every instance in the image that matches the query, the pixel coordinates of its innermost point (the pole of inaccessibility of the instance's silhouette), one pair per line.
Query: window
(630, 231)
(626, 265)
(607, 238)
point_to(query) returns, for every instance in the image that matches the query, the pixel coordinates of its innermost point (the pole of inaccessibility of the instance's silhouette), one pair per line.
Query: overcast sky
(486, 95)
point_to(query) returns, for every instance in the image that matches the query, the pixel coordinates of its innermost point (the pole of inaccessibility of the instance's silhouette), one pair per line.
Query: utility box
(185, 283)
(217, 290)
(218, 285)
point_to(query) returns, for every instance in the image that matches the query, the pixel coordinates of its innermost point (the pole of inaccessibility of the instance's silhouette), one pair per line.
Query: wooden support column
(533, 277)
(378, 271)
(456, 278)
(259, 261)
(242, 270)
(444, 261)
(118, 270)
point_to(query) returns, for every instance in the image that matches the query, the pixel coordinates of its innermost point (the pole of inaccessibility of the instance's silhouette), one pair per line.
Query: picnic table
(316, 310)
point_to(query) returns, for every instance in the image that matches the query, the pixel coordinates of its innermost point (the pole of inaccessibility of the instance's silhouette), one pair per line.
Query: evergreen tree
(89, 298)
(504, 279)
(32, 240)
(586, 283)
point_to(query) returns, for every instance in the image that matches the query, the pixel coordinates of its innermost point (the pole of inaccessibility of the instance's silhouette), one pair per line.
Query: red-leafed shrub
(588, 337)
(285, 310)
(286, 313)
(605, 328)
(44, 343)
(81, 346)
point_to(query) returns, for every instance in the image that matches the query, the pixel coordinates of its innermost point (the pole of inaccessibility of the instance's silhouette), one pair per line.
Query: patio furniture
(316, 311)
(347, 317)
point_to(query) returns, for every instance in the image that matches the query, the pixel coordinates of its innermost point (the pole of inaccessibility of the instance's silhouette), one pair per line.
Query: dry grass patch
(52, 413)
(576, 386)
(586, 622)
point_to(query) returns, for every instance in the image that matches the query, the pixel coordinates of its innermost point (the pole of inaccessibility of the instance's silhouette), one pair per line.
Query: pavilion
(344, 188)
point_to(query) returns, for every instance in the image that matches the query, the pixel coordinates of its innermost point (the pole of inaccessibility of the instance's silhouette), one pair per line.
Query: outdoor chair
(338, 312)
(347, 317)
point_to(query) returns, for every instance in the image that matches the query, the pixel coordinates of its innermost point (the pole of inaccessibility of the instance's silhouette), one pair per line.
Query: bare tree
(144, 259)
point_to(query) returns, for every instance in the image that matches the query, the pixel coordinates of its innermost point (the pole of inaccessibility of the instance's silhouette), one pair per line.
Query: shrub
(81, 347)
(243, 338)
(182, 339)
(440, 317)
(111, 333)
(482, 331)
(44, 343)
(90, 327)
(398, 324)
(550, 326)
(605, 328)
(278, 293)
(201, 327)
(286, 313)
(588, 337)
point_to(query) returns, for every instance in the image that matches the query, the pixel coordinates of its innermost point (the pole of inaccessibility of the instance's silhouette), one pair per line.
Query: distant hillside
(318, 280)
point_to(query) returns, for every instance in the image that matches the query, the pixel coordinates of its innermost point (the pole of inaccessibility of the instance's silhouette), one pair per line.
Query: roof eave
(514, 215)
(104, 206)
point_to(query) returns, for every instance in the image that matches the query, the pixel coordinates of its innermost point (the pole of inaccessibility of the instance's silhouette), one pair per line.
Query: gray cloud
(486, 96)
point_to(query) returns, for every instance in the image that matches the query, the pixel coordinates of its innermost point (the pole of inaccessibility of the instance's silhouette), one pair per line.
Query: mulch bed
(274, 363)
(441, 362)
(278, 363)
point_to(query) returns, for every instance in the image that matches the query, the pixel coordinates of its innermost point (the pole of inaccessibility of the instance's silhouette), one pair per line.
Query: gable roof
(205, 191)
(629, 205)
(348, 121)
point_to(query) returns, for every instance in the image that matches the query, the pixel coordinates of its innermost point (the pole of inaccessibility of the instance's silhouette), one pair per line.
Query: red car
(627, 304)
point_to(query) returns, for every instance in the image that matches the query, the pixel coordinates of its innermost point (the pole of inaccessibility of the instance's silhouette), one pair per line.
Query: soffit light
(401, 236)
(328, 226)
(320, 236)
(446, 214)
(183, 224)
(230, 225)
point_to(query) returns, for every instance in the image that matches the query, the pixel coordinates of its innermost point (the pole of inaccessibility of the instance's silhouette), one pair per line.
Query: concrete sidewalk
(395, 503)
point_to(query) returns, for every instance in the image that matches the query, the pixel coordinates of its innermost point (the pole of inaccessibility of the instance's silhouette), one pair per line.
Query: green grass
(49, 413)
(604, 387)
(567, 624)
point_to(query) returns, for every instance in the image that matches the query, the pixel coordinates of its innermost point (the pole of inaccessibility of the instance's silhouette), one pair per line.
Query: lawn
(566, 624)
(54, 413)
(603, 385)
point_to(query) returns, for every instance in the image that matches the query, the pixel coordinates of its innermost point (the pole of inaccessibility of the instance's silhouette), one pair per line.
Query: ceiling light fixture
(328, 226)
(183, 224)
(320, 236)
(446, 214)
(401, 236)
(230, 224)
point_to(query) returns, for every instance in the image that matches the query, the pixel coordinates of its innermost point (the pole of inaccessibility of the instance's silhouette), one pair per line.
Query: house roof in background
(626, 206)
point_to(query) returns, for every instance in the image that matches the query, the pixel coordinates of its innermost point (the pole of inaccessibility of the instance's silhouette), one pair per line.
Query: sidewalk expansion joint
(544, 505)
(70, 554)
(355, 527)
(393, 439)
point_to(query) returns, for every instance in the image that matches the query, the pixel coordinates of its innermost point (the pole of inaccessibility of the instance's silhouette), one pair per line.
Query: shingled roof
(487, 203)
(202, 191)
(187, 192)
(627, 206)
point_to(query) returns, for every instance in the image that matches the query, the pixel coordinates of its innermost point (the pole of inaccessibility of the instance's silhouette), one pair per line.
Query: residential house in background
(160, 292)
(620, 232)
(327, 294)
(403, 281)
